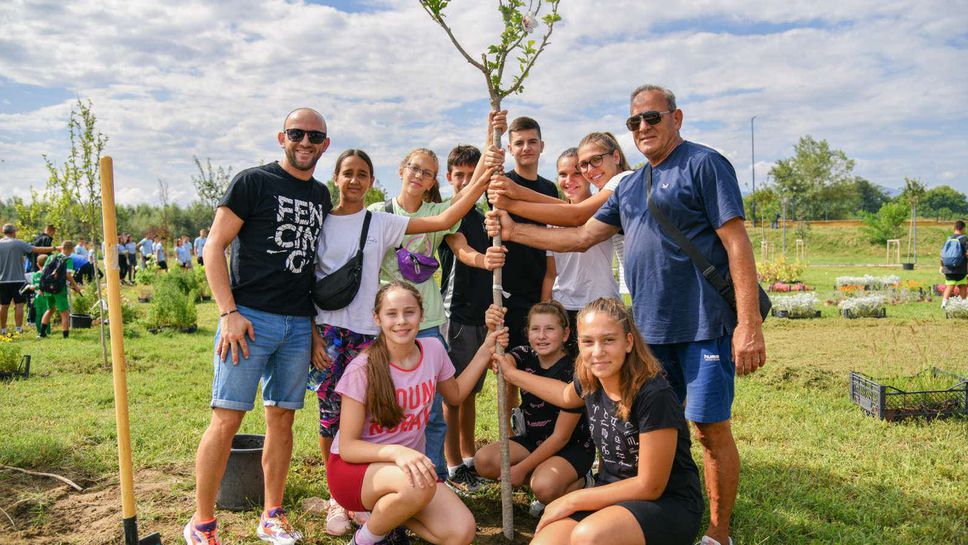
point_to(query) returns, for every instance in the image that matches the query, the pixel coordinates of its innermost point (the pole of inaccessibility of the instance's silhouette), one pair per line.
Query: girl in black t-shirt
(555, 452)
(647, 489)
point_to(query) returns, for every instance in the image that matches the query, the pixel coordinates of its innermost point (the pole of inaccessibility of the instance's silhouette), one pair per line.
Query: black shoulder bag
(337, 289)
(709, 271)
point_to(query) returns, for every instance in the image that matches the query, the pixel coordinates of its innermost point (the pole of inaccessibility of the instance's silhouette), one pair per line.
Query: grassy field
(815, 468)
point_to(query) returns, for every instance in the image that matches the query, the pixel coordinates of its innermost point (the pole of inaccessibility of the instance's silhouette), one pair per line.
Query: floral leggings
(342, 345)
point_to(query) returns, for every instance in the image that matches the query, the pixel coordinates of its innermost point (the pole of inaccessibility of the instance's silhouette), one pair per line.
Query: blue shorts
(279, 357)
(702, 373)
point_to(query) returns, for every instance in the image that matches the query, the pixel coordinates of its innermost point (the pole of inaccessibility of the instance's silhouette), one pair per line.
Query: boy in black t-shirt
(272, 216)
(526, 279)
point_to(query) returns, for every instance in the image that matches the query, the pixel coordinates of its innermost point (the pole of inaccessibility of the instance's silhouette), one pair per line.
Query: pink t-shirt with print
(415, 390)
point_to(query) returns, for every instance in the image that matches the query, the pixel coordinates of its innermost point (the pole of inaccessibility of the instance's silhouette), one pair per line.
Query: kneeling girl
(647, 488)
(377, 461)
(555, 452)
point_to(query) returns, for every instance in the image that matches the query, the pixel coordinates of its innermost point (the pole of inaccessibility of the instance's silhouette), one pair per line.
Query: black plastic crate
(892, 404)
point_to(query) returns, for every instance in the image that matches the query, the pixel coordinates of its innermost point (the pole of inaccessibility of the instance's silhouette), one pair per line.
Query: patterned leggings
(342, 345)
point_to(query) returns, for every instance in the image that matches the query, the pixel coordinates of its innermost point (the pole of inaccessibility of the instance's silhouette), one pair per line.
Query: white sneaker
(706, 540)
(337, 520)
(274, 528)
(536, 509)
(944, 303)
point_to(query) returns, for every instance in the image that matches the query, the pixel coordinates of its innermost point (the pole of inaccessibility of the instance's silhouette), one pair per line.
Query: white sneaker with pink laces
(337, 519)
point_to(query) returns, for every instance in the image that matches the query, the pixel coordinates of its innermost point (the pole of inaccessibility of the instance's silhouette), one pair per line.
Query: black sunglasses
(296, 135)
(651, 117)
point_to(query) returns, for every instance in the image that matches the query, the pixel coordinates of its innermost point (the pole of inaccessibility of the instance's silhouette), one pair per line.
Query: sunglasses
(651, 117)
(296, 135)
(593, 161)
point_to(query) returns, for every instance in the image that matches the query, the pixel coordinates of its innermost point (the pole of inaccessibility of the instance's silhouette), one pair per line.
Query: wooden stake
(117, 338)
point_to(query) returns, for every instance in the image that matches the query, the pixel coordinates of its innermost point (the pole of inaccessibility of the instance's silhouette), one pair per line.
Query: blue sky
(885, 82)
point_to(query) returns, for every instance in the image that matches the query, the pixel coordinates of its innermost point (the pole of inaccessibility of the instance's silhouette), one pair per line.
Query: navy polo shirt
(697, 190)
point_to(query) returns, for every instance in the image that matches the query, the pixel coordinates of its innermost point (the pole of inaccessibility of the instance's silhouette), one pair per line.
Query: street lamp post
(753, 166)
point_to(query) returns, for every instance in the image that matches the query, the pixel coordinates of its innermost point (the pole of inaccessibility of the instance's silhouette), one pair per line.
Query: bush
(186, 281)
(170, 308)
(779, 270)
(9, 355)
(802, 305)
(147, 276)
(82, 303)
(957, 308)
(886, 223)
(204, 291)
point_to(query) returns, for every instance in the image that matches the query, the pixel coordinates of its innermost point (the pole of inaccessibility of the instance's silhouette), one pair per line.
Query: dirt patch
(49, 512)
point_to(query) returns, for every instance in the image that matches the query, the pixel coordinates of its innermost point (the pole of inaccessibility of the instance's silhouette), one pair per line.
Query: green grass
(815, 468)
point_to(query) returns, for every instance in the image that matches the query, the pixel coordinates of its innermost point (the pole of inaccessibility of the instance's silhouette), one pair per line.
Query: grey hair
(669, 95)
(9, 229)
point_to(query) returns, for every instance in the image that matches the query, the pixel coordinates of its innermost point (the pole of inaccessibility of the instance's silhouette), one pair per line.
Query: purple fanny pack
(415, 267)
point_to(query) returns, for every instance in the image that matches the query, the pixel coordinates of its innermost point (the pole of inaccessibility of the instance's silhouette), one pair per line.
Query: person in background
(44, 239)
(81, 248)
(158, 249)
(132, 250)
(146, 249)
(954, 265)
(39, 300)
(199, 245)
(183, 252)
(122, 259)
(58, 300)
(12, 279)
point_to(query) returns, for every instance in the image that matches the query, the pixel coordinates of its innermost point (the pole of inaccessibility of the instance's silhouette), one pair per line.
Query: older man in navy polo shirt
(701, 342)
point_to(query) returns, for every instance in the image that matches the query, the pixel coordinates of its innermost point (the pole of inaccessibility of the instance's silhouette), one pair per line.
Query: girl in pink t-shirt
(377, 461)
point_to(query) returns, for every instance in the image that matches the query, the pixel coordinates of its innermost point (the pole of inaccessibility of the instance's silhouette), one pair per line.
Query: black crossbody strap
(708, 270)
(366, 229)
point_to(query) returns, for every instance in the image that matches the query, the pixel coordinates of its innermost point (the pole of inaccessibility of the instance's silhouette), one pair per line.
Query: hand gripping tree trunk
(520, 19)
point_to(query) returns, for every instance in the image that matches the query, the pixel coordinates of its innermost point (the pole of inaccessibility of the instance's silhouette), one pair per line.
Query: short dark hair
(524, 124)
(462, 155)
(959, 225)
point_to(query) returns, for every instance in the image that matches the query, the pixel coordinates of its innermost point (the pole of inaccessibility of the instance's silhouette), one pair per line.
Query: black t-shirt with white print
(273, 255)
(655, 407)
(540, 416)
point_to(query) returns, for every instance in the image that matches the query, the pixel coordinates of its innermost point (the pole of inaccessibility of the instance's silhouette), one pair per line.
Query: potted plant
(12, 362)
(172, 309)
(144, 294)
(801, 305)
(204, 292)
(956, 308)
(81, 305)
(867, 306)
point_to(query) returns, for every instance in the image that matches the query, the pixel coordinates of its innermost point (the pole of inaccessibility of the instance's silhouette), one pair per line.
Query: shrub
(9, 355)
(147, 275)
(82, 303)
(864, 306)
(957, 308)
(886, 223)
(185, 280)
(780, 270)
(868, 282)
(203, 289)
(802, 305)
(170, 308)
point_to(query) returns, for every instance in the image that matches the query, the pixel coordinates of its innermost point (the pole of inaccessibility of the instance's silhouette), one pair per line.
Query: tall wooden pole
(507, 502)
(128, 509)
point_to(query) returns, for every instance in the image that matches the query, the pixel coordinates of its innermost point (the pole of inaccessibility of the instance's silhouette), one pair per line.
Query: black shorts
(665, 521)
(464, 340)
(163, 265)
(579, 457)
(10, 291)
(200, 261)
(954, 277)
(516, 320)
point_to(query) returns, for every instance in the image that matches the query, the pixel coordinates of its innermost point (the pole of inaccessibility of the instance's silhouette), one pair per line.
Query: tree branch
(544, 42)
(440, 21)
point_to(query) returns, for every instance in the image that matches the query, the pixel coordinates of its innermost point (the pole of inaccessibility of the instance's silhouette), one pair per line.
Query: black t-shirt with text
(524, 266)
(273, 255)
(540, 416)
(466, 290)
(655, 407)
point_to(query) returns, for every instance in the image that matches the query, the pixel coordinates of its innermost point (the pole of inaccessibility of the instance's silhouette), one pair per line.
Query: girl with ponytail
(377, 461)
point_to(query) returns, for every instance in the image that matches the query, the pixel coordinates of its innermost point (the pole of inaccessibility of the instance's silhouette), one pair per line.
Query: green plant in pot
(10, 353)
(171, 309)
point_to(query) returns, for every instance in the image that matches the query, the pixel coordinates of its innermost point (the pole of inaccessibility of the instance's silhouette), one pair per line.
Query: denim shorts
(702, 374)
(279, 357)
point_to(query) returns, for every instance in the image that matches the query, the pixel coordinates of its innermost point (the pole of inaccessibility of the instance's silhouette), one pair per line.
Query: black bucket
(907, 266)
(242, 484)
(81, 321)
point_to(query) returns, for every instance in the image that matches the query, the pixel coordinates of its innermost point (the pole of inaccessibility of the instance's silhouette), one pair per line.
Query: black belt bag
(337, 289)
(723, 286)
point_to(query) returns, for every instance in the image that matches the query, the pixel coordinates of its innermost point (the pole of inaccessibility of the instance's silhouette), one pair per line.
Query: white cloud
(884, 82)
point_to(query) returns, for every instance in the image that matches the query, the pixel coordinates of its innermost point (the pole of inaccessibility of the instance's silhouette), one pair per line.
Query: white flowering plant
(801, 305)
(956, 308)
(866, 306)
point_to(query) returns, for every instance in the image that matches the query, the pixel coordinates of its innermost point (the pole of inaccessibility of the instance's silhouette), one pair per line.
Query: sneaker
(463, 481)
(517, 421)
(589, 480)
(360, 517)
(536, 509)
(206, 535)
(337, 520)
(274, 528)
(944, 304)
(706, 540)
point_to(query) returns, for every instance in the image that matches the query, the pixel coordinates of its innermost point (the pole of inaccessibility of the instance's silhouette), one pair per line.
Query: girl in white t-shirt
(580, 277)
(377, 462)
(340, 334)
